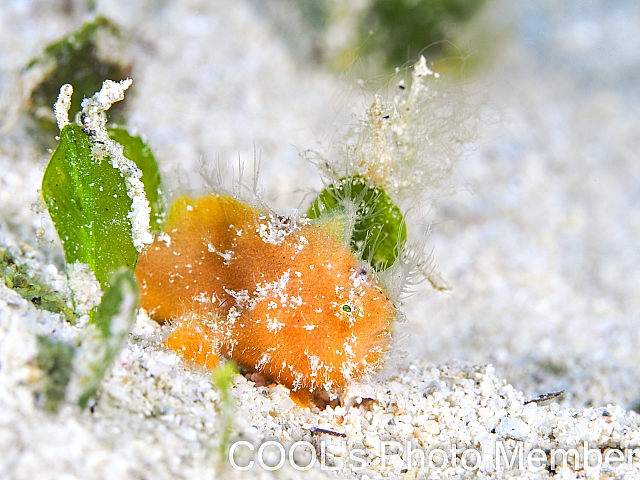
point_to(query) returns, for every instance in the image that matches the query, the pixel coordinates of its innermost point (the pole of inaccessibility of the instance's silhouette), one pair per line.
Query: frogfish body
(281, 297)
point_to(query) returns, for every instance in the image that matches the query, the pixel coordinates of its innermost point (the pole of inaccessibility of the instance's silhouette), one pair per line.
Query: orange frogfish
(277, 295)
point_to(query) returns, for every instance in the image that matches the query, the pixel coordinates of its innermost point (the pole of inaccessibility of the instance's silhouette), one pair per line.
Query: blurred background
(539, 242)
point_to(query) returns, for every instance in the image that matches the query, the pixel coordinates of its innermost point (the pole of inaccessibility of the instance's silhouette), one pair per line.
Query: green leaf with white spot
(114, 319)
(139, 153)
(88, 203)
(378, 229)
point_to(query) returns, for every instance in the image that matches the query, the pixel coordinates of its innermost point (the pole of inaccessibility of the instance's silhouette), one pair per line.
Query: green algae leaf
(139, 153)
(113, 320)
(17, 276)
(379, 229)
(80, 59)
(89, 205)
(55, 362)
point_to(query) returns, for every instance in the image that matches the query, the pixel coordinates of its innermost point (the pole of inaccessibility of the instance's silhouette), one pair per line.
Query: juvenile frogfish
(279, 296)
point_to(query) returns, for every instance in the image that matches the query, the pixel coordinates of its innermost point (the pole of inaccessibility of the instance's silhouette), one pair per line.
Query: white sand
(540, 245)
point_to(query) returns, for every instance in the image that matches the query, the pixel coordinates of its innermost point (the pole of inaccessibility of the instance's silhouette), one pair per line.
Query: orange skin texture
(286, 300)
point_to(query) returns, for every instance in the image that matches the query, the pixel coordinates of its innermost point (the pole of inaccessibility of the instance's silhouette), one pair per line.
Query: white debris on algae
(84, 287)
(62, 106)
(94, 122)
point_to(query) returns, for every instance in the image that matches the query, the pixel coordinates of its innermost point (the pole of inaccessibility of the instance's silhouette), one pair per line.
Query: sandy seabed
(539, 243)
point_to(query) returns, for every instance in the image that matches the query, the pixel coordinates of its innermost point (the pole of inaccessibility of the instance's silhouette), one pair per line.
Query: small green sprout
(114, 318)
(223, 377)
(378, 230)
